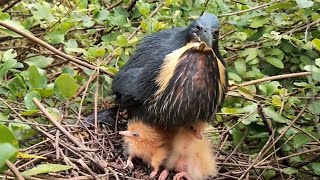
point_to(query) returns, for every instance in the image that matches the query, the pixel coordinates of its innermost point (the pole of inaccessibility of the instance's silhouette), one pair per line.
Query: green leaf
(28, 100)
(316, 43)
(37, 77)
(42, 12)
(55, 37)
(66, 86)
(269, 174)
(46, 168)
(274, 115)
(314, 107)
(275, 62)
(276, 100)
(316, 167)
(300, 140)
(304, 3)
(269, 88)
(121, 41)
(290, 170)
(259, 21)
(7, 151)
(250, 53)
(39, 61)
(8, 65)
(317, 61)
(55, 113)
(234, 76)
(237, 136)
(96, 52)
(240, 66)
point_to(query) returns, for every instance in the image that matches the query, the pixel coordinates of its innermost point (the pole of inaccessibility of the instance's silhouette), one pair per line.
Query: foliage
(279, 38)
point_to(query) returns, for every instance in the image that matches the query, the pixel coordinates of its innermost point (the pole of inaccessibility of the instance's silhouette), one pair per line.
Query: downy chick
(146, 142)
(191, 155)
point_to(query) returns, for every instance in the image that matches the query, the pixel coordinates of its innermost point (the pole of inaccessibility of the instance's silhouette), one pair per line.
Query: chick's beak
(126, 133)
(198, 135)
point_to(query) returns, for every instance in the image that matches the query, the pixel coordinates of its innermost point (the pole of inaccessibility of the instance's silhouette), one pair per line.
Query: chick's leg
(182, 175)
(157, 160)
(129, 162)
(164, 174)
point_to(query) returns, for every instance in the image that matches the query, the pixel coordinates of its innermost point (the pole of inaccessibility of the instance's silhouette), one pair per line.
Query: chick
(146, 142)
(191, 155)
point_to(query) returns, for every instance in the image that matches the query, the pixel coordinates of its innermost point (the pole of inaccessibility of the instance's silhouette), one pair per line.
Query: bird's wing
(134, 83)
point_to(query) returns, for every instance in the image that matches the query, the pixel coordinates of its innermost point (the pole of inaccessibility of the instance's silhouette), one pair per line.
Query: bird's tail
(105, 116)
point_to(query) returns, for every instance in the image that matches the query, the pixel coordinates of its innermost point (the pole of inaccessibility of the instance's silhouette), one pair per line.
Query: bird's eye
(215, 32)
(135, 134)
(198, 28)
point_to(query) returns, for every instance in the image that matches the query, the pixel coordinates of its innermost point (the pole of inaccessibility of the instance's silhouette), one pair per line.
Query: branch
(284, 76)
(14, 170)
(61, 128)
(49, 47)
(251, 9)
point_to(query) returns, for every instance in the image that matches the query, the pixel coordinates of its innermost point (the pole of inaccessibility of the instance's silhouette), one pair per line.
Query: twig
(14, 170)
(283, 76)
(115, 4)
(10, 5)
(251, 9)
(58, 125)
(132, 4)
(49, 47)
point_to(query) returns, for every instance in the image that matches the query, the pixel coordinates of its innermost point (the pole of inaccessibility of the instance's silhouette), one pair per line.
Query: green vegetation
(259, 39)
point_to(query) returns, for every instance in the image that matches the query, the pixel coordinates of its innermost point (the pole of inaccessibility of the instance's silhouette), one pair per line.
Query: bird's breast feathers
(191, 80)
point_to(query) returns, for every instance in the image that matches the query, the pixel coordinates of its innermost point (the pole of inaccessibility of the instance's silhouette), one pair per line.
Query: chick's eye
(135, 134)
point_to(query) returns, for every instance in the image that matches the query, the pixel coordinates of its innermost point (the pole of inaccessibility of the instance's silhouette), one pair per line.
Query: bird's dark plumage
(176, 76)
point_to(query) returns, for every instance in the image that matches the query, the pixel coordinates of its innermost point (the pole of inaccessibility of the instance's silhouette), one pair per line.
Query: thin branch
(10, 5)
(283, 76)
(49, 47)
(14, 170)
(251, 9)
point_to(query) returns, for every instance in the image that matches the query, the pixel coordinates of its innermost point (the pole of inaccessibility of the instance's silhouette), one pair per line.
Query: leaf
(55, 37)
(46, 168)
(316, 43)
(314, 107)
(8, 65)
(55, 113)
(269, 88)
(250, 53)
(7, 151)
(9, 146)
(237, 136)
(300, 140)
(275, 62)
(66, 86)
(246, 92)
(234, 76)
(317, 61)
(121, 41)
(276, 100)
(240, 66)
(96, 52)
(29, 156)
(42, 12)
(290, 170)
(316, 167)
(304, 3)
(269, 174)
(28, 100)
(39, 61)
(37, 77)
(274, 116)
(259, 21)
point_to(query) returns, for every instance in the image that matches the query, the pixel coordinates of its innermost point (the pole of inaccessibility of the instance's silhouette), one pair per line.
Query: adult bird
(176, 77)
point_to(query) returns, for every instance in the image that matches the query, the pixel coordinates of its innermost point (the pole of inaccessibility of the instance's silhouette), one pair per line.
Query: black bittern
(176, 77)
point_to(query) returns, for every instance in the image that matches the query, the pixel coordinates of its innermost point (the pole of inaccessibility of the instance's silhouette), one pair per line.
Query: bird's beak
(198, 135)
(126, 133)
(207, 36)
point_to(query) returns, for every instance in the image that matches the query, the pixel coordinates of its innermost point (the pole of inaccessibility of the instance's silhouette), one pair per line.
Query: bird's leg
(154, 172)
(164, 174)
(129, 162)
(181, 175)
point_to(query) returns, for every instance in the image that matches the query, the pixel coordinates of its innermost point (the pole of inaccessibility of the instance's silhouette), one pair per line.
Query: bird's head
(141, 132)
(204, 29)
(197, 129)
